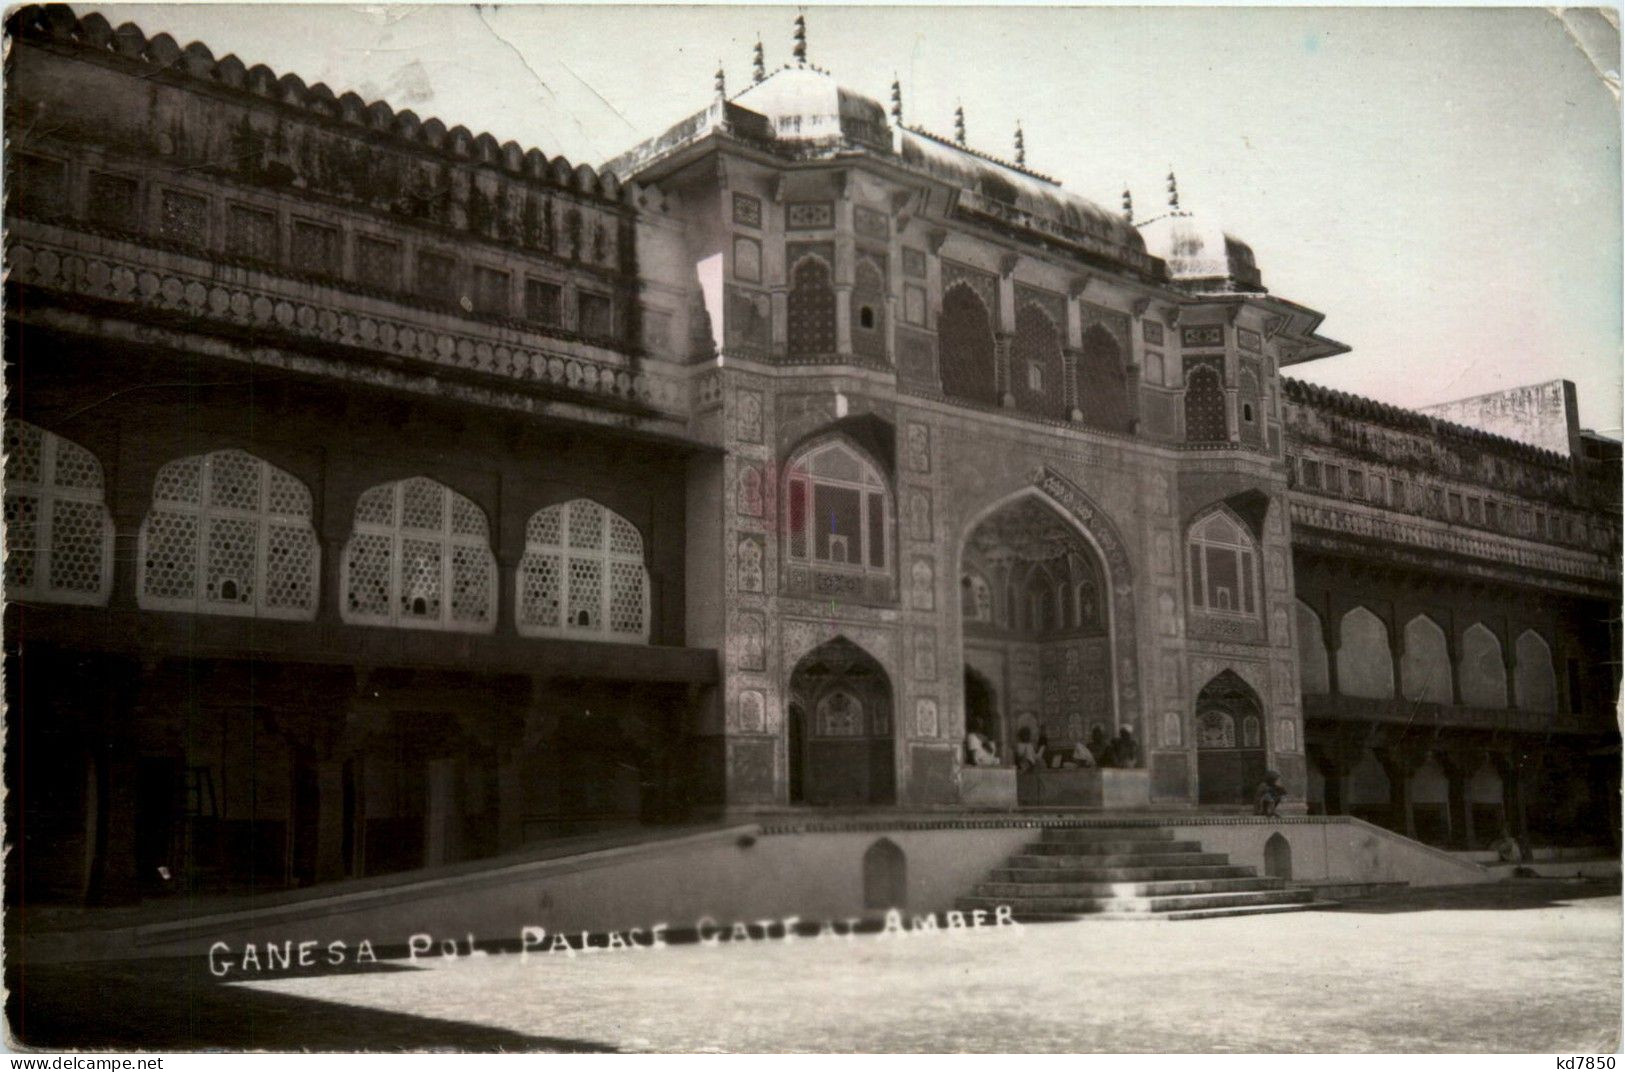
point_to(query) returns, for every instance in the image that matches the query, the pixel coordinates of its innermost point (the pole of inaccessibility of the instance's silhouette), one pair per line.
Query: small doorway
(1230, 746)
(841, 742)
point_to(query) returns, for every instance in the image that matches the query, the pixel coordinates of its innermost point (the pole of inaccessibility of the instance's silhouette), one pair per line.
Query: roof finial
(721, 82)
(800, 49)
(959, 123)
(896, 100)
(758, 66)
(1173, 191)
(1128, 204)
(1021, 146)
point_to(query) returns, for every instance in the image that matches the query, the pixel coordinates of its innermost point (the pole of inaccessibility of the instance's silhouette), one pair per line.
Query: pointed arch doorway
(842, 750)
(1229, 741)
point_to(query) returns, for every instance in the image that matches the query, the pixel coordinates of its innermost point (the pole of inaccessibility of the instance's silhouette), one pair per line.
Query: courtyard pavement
(1519, 966)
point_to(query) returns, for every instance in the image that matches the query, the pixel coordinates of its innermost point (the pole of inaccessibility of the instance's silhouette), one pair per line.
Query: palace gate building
(381, 496)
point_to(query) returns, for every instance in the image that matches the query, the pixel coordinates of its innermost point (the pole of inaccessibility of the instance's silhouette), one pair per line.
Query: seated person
(1099, 747)
(1270, 794)
(1506, 848)
(1027, 755)
(1125, 750)
(979, 751)
(1082, 757)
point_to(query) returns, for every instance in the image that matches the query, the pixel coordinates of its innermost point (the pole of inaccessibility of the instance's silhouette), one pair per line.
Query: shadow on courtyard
(178, 1006)
(1505, 895)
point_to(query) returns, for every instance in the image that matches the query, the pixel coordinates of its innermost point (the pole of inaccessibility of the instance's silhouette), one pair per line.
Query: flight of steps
(1128, 872)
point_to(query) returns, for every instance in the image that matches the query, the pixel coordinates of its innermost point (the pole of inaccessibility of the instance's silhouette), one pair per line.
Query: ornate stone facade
(805, 384)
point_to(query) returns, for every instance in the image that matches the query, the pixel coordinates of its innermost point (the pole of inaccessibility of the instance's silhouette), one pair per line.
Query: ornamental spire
(959, 124)
(721, 85)
(896, 100)
(758, 66)
(800, 49)
(1128, 204)
(1173, 191)
(1021, 146)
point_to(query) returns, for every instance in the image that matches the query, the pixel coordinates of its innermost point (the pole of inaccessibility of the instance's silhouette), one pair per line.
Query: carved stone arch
(1099, 530)
(800, 637)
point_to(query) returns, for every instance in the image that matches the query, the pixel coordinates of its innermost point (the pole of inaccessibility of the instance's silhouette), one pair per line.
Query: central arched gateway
(1229, 741)
(841, 745)
(1036, 620)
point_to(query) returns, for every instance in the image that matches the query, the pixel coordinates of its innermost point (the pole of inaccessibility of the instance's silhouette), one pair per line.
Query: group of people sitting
(1033, 751)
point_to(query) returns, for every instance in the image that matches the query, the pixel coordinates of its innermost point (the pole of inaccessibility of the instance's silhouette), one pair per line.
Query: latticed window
(1223, 574)
(419, 557)
(835, 509)
(840, 714)
(1205, 420)
(811, 310)
(58, 536)
(965, 338)
(583, 575)
(229, 534)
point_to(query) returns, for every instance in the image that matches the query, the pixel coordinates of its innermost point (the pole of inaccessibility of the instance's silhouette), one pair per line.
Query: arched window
(59, 537)
(1535, 679)
(1424, 670)
(1215, 729)
(1314, 675)
(228, 534)
(1251, 734)
(1103, 381)
(1223, 577)
(975, 598)
(1036, 371)
(419, 557)
(965, 343)
(869, 309)
(1365, 663)
(1252, 424)
(811, 312)
(836, 510)
(583, 575)
(840, 714)
(1483, 670)
(1204, 407)
(1087, 596)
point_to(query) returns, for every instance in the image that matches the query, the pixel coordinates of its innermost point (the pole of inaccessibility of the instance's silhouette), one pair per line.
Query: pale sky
(1444, 184)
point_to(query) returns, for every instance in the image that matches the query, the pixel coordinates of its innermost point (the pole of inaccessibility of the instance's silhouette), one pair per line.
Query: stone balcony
(328, 328)
(1422, 714)
(1398, 532)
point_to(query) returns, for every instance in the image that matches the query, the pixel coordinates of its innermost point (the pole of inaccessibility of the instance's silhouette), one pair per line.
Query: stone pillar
(1336, 753)
(329, 820)
(1514, 766)
(1001, 368)
(510, 805)
(113, 878)
(440, 813)
(1400, 759)
(1460, 764)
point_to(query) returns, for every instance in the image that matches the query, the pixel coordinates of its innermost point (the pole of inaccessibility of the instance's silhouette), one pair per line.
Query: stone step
(1041, 869)
(1159, 905)
(1127, 889)
(1116, 859)
(1112, 847)
(1091, 834)
(1250, 910)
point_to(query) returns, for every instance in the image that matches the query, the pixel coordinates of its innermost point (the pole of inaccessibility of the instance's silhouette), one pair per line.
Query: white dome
(1199, 251)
